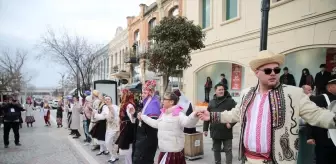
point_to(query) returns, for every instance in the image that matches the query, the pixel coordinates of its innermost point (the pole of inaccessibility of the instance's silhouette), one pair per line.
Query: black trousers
(7, 127)
(325, 155)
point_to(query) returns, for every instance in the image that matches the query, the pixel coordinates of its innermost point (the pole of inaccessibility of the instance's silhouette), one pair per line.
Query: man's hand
(228, 125)
(139, 116)
(205, 133)
(311, 142)
(204, 115)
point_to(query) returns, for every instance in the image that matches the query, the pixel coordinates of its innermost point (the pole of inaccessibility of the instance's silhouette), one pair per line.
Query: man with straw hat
(269, 115)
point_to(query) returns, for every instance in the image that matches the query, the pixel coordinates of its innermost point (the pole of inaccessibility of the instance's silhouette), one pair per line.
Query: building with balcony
(303, 30)
(139, 28)
(118, 50)
(101, 65)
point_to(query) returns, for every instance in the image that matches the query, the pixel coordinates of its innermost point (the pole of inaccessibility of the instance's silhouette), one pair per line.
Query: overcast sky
(22, 22)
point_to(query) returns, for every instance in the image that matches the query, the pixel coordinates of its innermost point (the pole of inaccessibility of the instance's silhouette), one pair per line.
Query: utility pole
(63, 91)
(265, 7)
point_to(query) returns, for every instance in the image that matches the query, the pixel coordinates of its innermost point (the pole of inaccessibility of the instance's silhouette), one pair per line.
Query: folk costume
(127, 126)
(46, 114)
(170, 133)
(95, 106)
(59, 116)
(146, 142)
(270, 122)
(29, 107)
(112, 132)
(99, 129)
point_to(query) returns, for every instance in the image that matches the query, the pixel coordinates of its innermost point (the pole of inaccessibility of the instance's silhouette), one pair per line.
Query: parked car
(54, 104)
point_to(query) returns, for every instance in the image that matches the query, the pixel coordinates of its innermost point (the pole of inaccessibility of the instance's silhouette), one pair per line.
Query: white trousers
(102, 145)
(110, 138)
(127, 154)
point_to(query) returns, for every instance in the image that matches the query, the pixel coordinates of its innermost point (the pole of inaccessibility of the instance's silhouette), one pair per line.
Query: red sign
(331, 60)
(236, 77)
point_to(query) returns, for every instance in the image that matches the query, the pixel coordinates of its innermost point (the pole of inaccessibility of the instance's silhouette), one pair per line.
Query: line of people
(131, 132)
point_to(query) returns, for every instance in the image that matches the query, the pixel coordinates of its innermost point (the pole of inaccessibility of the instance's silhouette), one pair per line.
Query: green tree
(174, 39)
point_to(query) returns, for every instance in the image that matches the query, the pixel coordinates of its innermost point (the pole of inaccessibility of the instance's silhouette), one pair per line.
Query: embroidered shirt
(257, 136)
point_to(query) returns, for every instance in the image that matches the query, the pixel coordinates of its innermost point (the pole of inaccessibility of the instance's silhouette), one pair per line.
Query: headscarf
(183, 102)
(150, 85)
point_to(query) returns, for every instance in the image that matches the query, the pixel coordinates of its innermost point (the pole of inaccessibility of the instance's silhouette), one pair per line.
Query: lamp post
(62, 75)
(265, 7)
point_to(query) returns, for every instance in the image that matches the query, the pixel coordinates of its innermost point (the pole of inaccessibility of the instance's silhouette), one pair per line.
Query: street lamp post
(265, 7)
(63, 92)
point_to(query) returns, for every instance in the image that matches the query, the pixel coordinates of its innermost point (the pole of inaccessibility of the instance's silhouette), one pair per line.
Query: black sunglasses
(268, 71)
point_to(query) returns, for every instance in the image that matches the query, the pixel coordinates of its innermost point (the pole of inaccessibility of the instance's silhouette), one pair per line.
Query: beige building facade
(117, 50)
(303, 30)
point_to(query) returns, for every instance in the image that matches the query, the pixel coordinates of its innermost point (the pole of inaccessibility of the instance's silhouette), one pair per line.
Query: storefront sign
(331, 60)
(236, 77)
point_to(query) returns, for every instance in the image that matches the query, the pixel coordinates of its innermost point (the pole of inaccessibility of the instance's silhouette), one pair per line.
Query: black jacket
(11, 112)
(321, 81)
(219, 130)
(189, 130)
(320, 134)
(288, 79)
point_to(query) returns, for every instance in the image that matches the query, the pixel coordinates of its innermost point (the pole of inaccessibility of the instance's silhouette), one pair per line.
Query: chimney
(129, 20)
(142, 9)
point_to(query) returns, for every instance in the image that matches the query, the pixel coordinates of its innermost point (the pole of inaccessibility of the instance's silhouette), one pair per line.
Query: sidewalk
(40, 145)
(208, 153)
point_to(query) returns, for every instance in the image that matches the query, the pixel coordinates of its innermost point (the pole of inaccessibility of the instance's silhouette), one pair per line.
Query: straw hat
(266, 57)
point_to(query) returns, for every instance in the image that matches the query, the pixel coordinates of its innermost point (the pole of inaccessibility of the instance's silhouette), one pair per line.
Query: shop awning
(134, 87)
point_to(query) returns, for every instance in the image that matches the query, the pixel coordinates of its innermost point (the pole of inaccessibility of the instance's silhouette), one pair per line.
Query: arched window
(151, 24)
(174, 11)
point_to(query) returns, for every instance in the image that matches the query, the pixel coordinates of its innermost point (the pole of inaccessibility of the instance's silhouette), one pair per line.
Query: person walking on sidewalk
(59, 114)
(221, 133)
(29, 107)
(76, 111)
(11, 113)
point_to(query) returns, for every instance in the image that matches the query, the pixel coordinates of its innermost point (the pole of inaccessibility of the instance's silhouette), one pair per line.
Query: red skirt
(173, 157)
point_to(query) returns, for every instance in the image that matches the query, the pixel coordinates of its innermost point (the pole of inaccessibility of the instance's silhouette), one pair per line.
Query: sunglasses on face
(268, 71)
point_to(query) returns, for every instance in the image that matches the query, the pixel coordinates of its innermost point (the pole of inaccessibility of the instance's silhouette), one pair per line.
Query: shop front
(234, 76)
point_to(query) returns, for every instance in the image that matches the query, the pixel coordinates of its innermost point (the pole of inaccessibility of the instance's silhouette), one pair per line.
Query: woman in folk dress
(112, 129)
(99, 129)
(127, 126)
(170, 129)
(29, 112)
(46, 113)
(59, 114)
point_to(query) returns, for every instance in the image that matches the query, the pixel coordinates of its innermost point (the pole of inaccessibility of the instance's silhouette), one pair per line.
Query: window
(230, 9)
(151, 24)
(174, 12)
(205, 13)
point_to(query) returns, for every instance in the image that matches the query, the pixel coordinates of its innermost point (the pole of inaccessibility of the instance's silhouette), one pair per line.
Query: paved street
(41, 145)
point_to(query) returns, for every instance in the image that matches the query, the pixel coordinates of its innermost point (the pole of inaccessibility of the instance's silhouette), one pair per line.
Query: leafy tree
(174, 39)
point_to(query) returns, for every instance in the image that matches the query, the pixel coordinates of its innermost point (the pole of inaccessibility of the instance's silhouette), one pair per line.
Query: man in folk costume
(95, 105)
(269, 114)
(146, 142)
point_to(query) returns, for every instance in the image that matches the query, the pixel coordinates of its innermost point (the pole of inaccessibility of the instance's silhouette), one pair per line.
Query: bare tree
(11, 65)
(74, 52)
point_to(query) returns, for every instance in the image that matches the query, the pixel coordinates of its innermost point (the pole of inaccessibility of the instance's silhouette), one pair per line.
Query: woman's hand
(139, 116)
